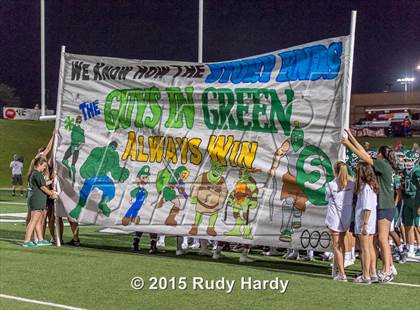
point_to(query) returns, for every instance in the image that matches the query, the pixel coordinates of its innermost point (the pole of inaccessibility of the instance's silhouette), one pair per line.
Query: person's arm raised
(362, 154)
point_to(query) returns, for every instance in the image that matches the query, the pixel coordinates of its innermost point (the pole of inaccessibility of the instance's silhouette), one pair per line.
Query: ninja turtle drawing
(139, 194)
(77, 139)
(100, 162)
(295, 192)
(242, 199)
(208, 193)
(167, 183)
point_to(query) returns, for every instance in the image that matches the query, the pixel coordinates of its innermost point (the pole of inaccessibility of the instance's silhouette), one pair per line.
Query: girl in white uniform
(339, 193)
(365, 219)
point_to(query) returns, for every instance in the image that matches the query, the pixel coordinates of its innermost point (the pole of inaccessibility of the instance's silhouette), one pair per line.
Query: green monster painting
(208, 193)
(77, 139)
(100, 162)
(167, 183)
(242, 199)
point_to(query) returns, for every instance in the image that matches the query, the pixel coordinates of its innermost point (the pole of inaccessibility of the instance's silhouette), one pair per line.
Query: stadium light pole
(200, 30)
(42, 57)
(406, 81)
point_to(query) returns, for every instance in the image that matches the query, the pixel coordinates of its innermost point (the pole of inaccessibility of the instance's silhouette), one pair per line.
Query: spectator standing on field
(16, 165)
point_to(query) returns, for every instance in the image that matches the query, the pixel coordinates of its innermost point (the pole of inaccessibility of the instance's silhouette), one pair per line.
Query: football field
(98, 275)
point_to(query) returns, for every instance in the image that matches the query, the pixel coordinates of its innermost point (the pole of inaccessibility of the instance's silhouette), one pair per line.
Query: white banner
(239, 151)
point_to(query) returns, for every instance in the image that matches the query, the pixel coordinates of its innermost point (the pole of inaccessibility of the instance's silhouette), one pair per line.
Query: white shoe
(195, 246)
(180, 252)
(393, 270)
(348, 263)
(293, 255)
(411, 255)
(217, 255)
(184, 245)
(272, 252)
(205, 252)
(160, 244)
(245, 259)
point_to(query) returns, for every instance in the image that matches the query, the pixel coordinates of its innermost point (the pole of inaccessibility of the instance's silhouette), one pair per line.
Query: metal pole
(57, 125)
(42, 57)
(346, 121)
(200, 31)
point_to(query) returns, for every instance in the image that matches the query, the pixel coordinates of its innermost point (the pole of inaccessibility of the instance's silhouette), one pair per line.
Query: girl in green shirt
(37, 200)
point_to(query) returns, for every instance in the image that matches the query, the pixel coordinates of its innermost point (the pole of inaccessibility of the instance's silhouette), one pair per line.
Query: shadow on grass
(120, 244)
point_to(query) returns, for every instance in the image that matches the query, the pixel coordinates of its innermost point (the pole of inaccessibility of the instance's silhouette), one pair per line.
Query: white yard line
(14, 214)
(33, 301)
(13, 203)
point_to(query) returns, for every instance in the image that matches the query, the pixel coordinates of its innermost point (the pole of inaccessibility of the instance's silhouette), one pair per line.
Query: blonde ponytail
(340, 169)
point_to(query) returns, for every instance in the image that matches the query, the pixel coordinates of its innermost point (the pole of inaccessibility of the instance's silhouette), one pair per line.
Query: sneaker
(180, 252)
(327, 256)
(362, 280)
(43, 242)
(403, 257)
(374, 278)
(418, 253)
(272, 252)
(305, 258)
(294, 255)
(237, 248)
(73, 242)
(205, 252)
(29, 244)
(245, 259)
(217, 255)
(385, 277)
(340, 277)
(184, 245)
(393, 270)
(348, 263)
(160, 244)
(153, 248)
(411, 255)
(195, 246)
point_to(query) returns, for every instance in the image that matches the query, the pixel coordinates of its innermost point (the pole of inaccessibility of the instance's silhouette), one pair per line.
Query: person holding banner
(339, 193)
(384, 165)
(37, 201)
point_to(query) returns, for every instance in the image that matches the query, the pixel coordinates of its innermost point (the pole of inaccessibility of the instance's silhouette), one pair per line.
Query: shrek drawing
(208, 193)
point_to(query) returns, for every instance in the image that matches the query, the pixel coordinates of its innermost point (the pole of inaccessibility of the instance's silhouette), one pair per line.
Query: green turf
(23, 138)
(97, 276)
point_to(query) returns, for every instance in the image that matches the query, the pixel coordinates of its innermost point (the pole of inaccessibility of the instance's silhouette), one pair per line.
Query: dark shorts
(386, 214)
(17, 179)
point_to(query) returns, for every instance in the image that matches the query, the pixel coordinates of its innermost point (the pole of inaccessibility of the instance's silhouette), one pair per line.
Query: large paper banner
(237, 151)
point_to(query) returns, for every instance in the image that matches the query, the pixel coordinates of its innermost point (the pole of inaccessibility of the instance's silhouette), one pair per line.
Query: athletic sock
(353, 253)
(348, 256)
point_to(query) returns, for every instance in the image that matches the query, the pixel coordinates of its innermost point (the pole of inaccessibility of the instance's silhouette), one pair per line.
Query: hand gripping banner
(237, 151)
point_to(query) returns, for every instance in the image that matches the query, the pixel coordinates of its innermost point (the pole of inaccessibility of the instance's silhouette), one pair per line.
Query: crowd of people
(373, 212)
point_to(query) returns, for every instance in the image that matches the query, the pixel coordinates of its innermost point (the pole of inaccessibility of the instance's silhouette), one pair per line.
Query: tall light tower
(406, 81)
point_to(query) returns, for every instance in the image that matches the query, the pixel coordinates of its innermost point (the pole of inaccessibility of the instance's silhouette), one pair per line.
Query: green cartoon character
(168, 182)
(100, 162)
(139, 195)
(243, 198)
(77, 139)
(208, 193)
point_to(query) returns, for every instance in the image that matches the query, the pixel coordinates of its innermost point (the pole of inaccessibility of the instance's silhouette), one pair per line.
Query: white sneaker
(272, 252)
(411, 255)
(180, 252)
(160, 244)
(348, 263)
(393, 270)
(294, 255)
(245, 259)
(340, 277)
(217, 255)
(184, 245)
(195, 246)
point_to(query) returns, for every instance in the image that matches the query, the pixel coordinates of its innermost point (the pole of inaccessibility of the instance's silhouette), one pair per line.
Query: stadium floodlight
(418, 67)
(406, 81)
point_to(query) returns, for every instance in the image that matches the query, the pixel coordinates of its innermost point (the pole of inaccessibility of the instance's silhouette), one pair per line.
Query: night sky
(387, 35)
